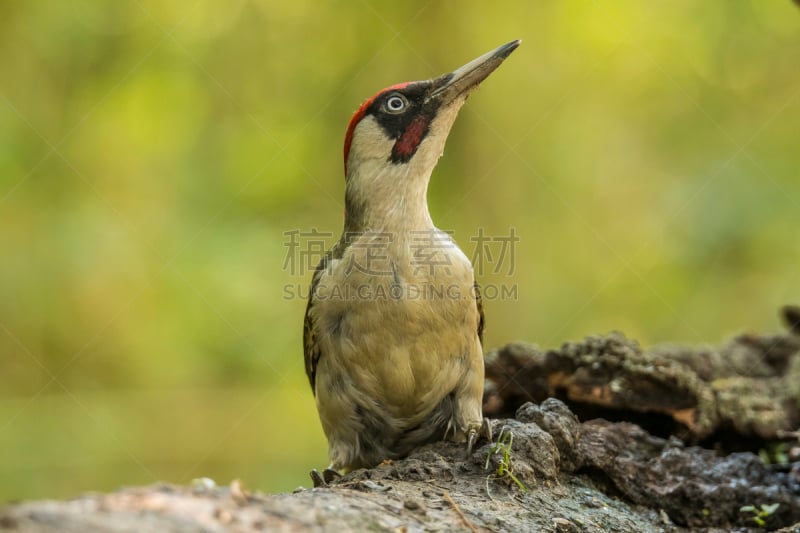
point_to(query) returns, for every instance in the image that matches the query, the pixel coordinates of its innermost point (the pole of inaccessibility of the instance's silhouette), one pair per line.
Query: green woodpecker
(394, 323)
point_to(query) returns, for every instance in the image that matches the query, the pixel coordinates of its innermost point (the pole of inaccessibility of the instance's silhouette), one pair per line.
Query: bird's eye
(396, 103)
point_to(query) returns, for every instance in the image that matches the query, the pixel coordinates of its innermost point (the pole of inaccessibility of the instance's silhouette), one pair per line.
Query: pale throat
(388, 198)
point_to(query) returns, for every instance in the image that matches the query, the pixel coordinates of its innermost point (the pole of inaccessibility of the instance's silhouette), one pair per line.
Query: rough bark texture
(664, 440)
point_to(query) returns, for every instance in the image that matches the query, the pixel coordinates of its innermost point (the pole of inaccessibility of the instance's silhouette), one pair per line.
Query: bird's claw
(471, 438)
(323, 479)
(316, 478)
(486, 429)
(473, 434)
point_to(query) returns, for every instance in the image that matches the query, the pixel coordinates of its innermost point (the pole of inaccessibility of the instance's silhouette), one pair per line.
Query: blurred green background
(153, 156)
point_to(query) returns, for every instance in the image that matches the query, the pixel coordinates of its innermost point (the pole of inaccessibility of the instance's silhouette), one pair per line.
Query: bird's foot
(485, 430)
(329, 475)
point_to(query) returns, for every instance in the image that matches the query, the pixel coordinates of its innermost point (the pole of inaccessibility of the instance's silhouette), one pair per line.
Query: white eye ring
(395, 103)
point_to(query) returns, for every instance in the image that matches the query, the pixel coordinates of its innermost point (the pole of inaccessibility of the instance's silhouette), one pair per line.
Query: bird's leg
(329, 475)
(485, 430)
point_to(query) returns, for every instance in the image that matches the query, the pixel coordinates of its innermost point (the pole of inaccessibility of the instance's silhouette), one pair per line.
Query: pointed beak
(464, 80)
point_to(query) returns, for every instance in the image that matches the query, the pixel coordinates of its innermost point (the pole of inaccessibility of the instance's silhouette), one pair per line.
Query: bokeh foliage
(153, 155)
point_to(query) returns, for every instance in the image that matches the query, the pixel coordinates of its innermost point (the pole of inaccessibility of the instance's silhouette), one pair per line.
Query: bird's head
(396, 137)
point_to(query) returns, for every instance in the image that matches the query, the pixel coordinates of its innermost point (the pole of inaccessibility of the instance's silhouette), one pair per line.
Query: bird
(393, 328)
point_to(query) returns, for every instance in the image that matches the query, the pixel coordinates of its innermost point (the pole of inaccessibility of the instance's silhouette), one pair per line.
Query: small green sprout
(775, 453)
(503, 446)
(760, 514)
